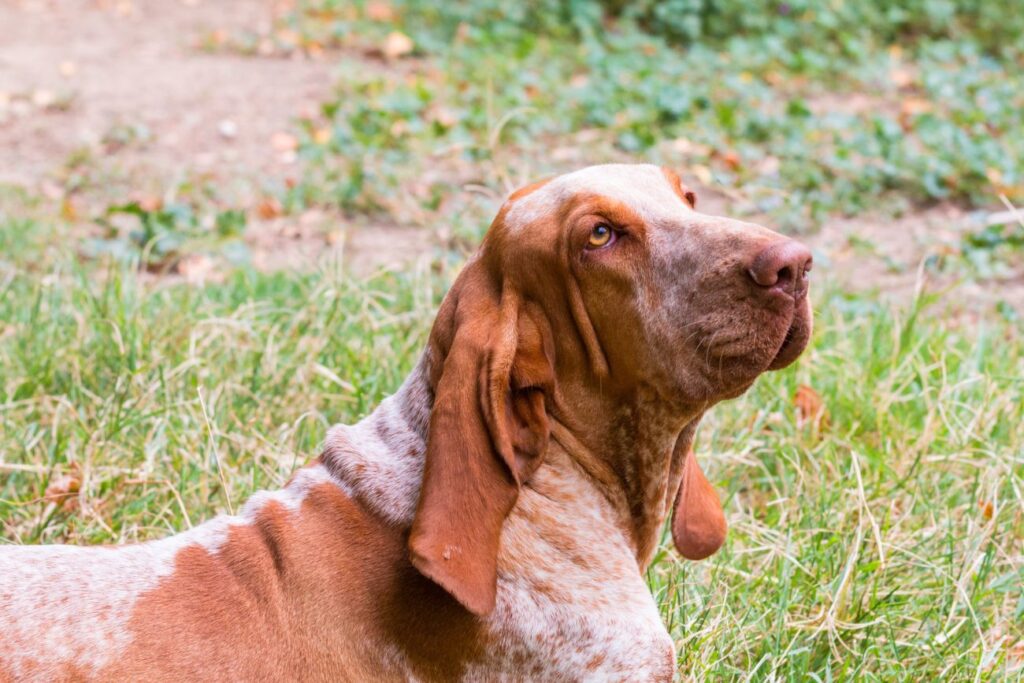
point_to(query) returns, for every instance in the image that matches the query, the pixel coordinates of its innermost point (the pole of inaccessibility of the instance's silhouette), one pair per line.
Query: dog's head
(598, 298)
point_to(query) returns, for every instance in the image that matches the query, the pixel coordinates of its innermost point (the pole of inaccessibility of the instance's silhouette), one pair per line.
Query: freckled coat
(493, 519)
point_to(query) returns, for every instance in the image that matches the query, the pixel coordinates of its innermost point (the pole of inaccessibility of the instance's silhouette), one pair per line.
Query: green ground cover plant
(910, 107)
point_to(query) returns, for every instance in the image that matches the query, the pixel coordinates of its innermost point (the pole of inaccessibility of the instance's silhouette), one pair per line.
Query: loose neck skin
(633, 461)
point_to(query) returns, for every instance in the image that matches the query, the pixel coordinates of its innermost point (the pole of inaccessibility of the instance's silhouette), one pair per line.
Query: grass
(881, 539)
(885, 546)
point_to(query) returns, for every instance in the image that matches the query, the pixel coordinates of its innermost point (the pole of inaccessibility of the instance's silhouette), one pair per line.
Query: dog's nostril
(783, 265)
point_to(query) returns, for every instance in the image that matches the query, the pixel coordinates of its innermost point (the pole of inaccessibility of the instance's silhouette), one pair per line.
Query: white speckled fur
(642, 187)
(64, 605)
(597, 614)
(380, 458)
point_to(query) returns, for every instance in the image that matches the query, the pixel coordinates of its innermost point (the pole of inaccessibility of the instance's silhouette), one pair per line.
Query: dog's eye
(601, 236)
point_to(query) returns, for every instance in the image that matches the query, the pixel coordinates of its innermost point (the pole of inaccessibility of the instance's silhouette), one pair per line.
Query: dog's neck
(379, 460)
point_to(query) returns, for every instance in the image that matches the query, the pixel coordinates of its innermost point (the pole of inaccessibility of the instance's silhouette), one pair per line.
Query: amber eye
(601, 236)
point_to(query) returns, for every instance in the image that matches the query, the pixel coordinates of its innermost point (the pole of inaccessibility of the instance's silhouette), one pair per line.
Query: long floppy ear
(488, 431)
(698, 521)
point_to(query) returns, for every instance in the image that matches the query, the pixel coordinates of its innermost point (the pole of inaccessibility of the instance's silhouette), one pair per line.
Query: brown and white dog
(493, 519)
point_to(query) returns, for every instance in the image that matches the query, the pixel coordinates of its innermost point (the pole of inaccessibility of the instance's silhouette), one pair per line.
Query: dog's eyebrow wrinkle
(642, 187)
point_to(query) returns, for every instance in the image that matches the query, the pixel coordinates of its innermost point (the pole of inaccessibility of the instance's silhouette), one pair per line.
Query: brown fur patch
(527, 190)
(685, 193)
(324, 593)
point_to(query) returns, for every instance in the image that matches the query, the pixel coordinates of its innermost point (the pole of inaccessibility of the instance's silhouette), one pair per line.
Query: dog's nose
(782, 265)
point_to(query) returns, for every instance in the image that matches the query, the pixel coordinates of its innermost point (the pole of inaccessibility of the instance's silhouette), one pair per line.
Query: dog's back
(264, 595)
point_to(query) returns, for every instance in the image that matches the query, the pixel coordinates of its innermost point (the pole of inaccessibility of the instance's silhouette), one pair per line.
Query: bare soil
(127, 85)
(89, 67)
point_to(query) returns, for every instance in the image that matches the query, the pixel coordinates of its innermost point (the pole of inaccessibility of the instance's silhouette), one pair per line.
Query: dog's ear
(698, 521)
(492, 375)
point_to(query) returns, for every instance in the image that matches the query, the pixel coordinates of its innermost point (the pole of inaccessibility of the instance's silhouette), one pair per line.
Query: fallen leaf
(810, 408)
(69, 210)
(43, 98)
(150, 203)
(288, 37)
(284, 142)
(396, 45)
(703, 174)
(269, 208)
(218, 37)
(731, 160)
(379, 11)
(911, 107)
(322, 136)
(901, 76)
(197, 269)
(63, 490)
(915, 105)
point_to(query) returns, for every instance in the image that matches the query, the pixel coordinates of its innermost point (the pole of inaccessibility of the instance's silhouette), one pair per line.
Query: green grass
(887, 547)
(162, 394)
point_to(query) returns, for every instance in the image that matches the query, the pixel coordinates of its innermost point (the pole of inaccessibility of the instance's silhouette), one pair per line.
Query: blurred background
(226, 224)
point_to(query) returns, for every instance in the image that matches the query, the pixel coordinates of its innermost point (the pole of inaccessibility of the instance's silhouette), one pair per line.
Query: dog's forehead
(644, 188)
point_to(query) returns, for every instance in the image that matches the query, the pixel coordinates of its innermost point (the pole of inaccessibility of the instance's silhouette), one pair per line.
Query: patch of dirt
(124, 85)
(898, 257)
(91, 67)
(319, 239)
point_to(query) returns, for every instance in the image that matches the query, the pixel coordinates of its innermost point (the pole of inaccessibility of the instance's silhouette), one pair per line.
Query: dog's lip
(794, 342)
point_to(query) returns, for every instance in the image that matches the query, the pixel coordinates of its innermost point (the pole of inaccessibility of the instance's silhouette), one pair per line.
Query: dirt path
(77, 72)
(126, 85)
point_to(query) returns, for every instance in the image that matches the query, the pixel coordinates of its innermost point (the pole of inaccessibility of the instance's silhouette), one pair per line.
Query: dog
(491, 520)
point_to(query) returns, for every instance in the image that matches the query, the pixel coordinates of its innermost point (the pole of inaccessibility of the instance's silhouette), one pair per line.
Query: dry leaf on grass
(284, 142)
(63, 490)
(379, 11)
(269, 208)
(810, 408)
(396, 45)
(198, 269)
